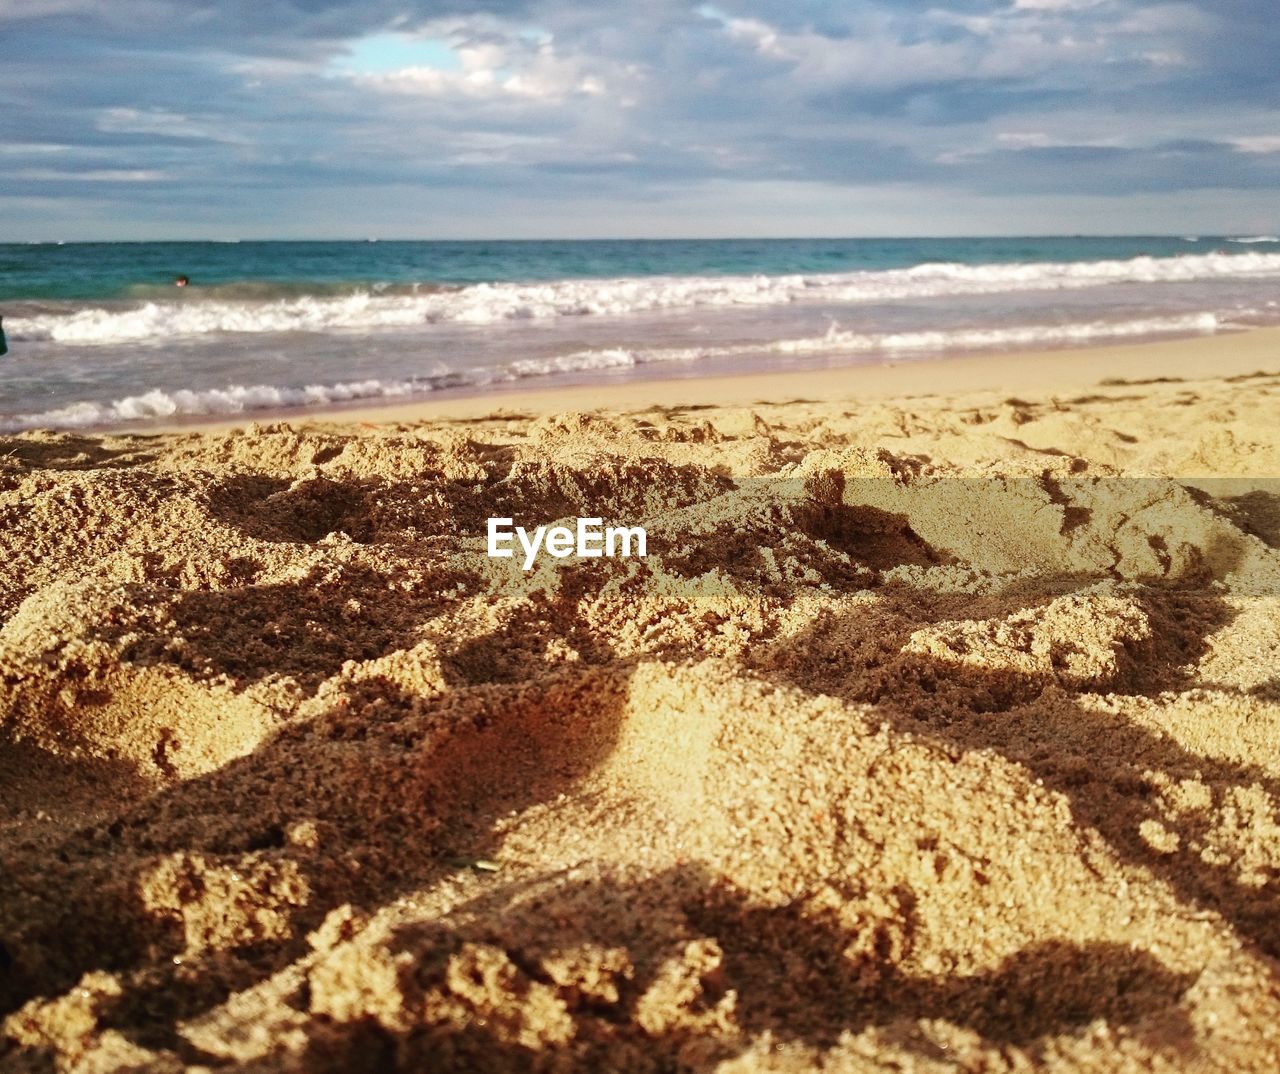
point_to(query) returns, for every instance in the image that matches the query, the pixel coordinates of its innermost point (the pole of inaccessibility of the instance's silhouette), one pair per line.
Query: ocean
(99, 336)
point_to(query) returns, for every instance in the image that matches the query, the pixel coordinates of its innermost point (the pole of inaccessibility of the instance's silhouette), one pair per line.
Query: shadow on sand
(378, 796)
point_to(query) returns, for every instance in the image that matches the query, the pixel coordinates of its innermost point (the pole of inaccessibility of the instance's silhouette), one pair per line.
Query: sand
(934, 734)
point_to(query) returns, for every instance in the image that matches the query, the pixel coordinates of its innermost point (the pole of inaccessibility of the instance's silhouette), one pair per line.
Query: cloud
(502, 61)
(235, 114)
(1055, 5)
(91, 175)
(1099, 169)
(1257, 143)
(163, 123)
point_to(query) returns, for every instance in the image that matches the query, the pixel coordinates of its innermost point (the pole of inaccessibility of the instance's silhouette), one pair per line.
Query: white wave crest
(1253, 239)
(839, 341)
(998, 338)
(496, 302)
(236, 399)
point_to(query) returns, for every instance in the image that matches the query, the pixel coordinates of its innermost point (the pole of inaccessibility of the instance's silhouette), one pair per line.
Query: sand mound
(70, 687)
(931, 737)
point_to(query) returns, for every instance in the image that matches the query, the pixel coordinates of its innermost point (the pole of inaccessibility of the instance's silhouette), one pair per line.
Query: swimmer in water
(181, 281)
(4, 347)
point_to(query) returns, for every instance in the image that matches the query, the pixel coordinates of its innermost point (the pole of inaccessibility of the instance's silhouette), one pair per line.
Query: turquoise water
(120, 270)
(100, 337)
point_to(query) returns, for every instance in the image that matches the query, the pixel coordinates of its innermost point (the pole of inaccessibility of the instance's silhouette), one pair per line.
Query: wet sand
(1042, 372)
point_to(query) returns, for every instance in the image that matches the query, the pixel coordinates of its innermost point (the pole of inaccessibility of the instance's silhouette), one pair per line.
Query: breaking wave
(480, 304)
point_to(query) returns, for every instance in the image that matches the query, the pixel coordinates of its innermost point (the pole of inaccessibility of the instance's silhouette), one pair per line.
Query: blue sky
(486, 118)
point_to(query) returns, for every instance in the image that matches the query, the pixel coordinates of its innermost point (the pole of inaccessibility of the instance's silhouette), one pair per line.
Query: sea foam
(490, 303)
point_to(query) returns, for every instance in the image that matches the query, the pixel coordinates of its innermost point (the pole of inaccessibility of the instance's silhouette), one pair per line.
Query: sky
(152, 119)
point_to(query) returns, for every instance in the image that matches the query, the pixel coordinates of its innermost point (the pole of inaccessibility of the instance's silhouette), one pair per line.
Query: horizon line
(371, 240)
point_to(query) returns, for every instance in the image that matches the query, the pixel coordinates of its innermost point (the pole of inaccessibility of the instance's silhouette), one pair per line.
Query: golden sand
(933, 735)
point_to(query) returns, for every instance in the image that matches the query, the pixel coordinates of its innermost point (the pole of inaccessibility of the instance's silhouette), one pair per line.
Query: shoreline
(1043, 371)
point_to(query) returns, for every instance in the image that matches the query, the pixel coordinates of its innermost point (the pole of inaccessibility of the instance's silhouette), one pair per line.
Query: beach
(934, 732)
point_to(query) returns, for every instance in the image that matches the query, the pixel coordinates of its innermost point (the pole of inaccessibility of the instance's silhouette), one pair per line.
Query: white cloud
(163, 122)
(97, 175)
(1041, 140)
(1056, 5)
(876, 54)
(1164, 58)
(515, 65)
(31, 149)
(1258, 143)
(760, 36)
(1024, 139)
